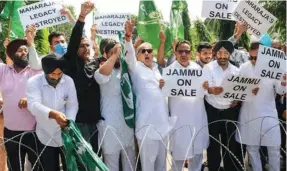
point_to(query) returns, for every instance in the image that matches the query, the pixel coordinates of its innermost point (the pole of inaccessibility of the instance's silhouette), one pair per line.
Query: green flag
(76, 149)
(176, 25)
(149, 22)
(128, 97)
(176, 19)
(11, 11)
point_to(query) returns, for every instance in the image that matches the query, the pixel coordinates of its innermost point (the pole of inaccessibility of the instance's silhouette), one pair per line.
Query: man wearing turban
(18, 121)
(218, 109)
(52, 99)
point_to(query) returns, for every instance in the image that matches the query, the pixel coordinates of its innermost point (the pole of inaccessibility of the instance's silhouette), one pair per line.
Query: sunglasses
(253, 58)
(183, 51)
(143, 51)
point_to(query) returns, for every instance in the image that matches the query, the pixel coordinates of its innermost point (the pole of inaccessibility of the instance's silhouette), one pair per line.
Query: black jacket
(88, 91)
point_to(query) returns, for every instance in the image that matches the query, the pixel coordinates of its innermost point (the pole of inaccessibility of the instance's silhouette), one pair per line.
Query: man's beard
(117, 64)
(52, 81)
(22, 63)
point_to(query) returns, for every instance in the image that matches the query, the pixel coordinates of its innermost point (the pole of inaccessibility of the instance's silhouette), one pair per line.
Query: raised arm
(72, 105)
(240, 28)
(107, 67)
(130, 56)
(34, 60)
(75, 40)
(66, 11)
(160, 52)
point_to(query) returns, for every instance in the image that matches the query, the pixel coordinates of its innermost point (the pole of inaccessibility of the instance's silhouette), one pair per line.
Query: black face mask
(19, 62)
(52, 81)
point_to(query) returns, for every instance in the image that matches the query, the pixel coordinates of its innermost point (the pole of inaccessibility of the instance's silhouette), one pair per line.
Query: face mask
(61, 49)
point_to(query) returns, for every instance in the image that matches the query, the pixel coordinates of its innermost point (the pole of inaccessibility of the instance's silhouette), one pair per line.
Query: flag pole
(10, 21)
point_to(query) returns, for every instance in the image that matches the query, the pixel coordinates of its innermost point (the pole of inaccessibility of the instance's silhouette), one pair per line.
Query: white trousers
(153, 154)
(273, 158)
(127, 156)
(194, 164)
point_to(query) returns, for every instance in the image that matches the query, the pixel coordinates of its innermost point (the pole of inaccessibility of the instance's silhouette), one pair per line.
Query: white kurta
(190, 134)
(113, 131)
(152, 120)
(258, 118)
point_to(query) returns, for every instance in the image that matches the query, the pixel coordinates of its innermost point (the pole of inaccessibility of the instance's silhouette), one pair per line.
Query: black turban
(14, 45)
(225, 44)
(52, 62)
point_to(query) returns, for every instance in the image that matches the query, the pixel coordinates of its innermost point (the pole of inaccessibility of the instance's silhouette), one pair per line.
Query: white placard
(271, 63)
(239, 88)
(182, 82)
(219, 9)
(42, 14)
(257, 19)
(110, 24)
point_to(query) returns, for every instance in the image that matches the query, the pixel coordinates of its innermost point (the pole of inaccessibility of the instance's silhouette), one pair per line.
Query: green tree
(41, 42)
(186, 25)
(202, 32)
(278, 9)
(3, 32)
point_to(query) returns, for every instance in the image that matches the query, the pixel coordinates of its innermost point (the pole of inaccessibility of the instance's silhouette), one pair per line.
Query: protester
(18, 121)
(281, 110)
(204, 54)
(52, 99)
(258, 120)
(152, 121)
(117, 137)
(190, 136)
(57, 40)
(81, 68)
(219, 109)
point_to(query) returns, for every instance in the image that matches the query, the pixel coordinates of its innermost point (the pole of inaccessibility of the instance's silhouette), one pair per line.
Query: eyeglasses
(143, 51)
(253, 58)
(183, 51)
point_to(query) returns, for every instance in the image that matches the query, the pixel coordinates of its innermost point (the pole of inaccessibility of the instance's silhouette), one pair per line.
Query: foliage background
(195, 31)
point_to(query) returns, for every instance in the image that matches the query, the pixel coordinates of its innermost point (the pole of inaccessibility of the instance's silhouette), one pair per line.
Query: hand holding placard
(215, 90)
(283, 82)
(255, 91)
(67, 12)
(161, 83)
(240, 28)
(30, 34)
(205, 85)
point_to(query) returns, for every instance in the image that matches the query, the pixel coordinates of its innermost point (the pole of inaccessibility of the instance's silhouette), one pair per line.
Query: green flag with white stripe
(126, 89)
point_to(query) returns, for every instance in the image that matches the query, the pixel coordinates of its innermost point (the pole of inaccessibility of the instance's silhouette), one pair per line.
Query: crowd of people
(42, 94)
